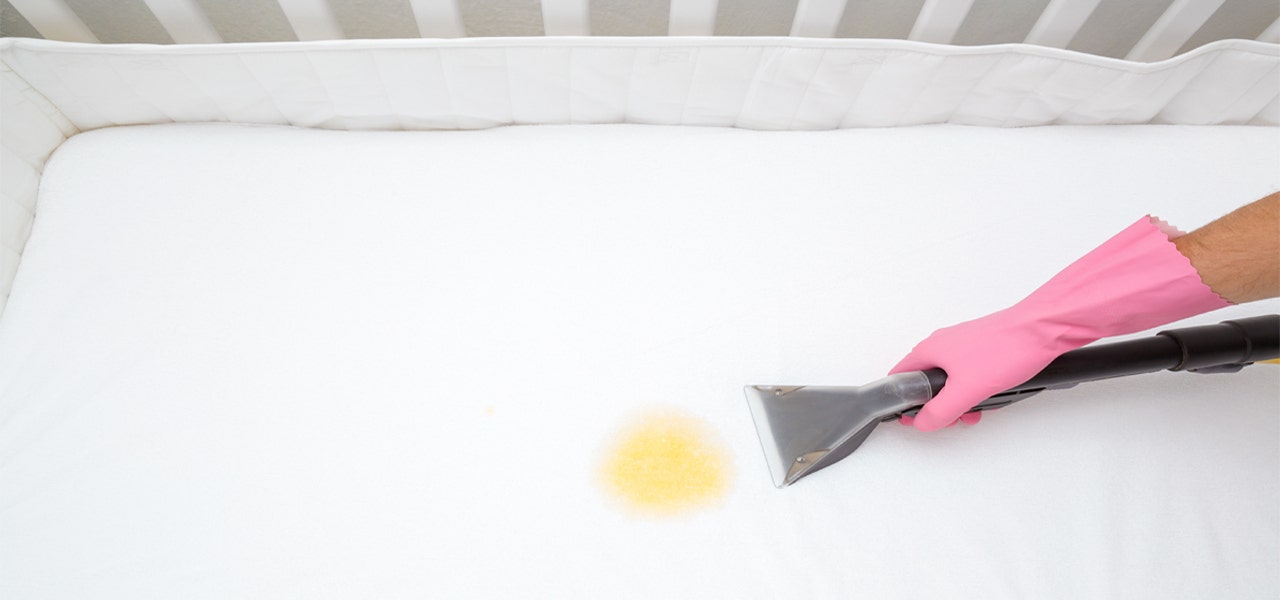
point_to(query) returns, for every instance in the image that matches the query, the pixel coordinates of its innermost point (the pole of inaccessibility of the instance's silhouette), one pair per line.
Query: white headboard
(1138, 30)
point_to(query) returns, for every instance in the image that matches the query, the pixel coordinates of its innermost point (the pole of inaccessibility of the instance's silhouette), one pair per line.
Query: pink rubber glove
(1135, 281)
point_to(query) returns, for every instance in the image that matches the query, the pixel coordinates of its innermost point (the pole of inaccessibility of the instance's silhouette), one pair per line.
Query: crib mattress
(258, 361)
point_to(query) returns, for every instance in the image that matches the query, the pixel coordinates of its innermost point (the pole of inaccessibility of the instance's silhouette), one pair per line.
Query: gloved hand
(1134, 281)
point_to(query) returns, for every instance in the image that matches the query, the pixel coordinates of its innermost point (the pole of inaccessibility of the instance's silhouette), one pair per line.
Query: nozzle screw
(799, 459)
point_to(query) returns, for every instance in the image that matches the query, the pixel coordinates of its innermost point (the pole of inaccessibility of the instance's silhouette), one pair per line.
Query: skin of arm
(1238, 255)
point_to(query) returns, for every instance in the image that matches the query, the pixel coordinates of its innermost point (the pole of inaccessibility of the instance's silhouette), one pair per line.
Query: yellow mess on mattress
(666, 463)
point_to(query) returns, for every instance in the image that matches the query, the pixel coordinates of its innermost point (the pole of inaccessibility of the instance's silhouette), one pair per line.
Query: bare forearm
(1238, 256)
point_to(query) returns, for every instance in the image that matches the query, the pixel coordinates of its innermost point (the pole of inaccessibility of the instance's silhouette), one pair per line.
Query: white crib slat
(438, 18)
(54, 20)
(185, 21)
(817, 18)
(693, 17)
(1271, 33)
(939, 20)
(1182, 19)
(312, 19)
(566, 17)
(1060, 22)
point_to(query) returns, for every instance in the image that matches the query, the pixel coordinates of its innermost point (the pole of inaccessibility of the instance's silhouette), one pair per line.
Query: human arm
(1238, 256)
(1138, 279)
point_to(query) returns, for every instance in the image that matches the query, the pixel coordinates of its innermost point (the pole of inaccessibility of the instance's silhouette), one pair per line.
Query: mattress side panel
(31, 128)
(759, 83)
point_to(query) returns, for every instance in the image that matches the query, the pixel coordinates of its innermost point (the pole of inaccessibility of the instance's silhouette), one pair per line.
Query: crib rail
(1138, 30)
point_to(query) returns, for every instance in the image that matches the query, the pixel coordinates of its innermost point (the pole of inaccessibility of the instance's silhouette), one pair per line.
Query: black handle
(1225, 347)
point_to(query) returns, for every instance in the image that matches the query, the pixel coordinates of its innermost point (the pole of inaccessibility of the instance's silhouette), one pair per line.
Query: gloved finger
(950, 404)
(970, 418)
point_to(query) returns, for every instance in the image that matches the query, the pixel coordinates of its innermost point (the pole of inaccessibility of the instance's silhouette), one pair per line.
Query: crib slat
(566, 17)
(1060, 22)
(438, 18)
(939, 20)
(54, 20)
(185, 21)
(693, 17)
(312, 19)
(817, 18)
(16, 25)
(1178, 23)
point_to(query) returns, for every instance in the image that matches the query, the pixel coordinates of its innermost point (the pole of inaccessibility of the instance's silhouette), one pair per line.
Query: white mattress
(263, 362)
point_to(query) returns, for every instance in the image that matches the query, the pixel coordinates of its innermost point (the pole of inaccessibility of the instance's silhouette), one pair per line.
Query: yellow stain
(665, 464)
(1272, 362)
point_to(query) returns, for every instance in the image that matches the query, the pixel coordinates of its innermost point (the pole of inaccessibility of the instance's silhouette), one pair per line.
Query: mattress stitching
(53, 115)
(853, 103)
(1057, 119)
(1190, 80)
(78, 98)
(631, 77)
(265, 91)
(1257, 115)
(1029, 94)
(386, 93)
(511, 94)
(448, 89)
(804, 94)
(37, 167)
(195, 83)
(133, 90)
(568, 100)
(749, 93)
(328, 94)
(921, 93)
(1267, 75)
(688, 89)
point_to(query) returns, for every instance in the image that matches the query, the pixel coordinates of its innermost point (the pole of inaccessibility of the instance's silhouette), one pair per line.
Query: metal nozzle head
(804, 429)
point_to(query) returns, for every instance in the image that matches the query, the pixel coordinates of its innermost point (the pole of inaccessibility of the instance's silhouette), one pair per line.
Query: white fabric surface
(53, 89)
(30, 130)
(264, 362)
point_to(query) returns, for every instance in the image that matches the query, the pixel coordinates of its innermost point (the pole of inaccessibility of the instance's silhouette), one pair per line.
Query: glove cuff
(1132, 282)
